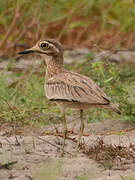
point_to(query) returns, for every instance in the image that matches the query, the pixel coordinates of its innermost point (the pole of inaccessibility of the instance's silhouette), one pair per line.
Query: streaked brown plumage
(68, 89)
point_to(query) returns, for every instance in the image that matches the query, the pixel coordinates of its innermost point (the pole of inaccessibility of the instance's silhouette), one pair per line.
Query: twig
(67, 137)
(53, 145)
(33, 143)
(111, 52)
(9, 143)
(18, 144)
(21, 34)
(69, 17)
(6, 166)
(10, 29)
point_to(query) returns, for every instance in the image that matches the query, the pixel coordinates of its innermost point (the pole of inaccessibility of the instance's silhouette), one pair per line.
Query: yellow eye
(44, 46)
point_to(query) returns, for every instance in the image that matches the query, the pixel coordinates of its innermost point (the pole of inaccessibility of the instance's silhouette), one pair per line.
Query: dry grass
(109, 155)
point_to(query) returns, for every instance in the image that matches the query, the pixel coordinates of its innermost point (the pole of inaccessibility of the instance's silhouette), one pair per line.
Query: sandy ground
(35, 158)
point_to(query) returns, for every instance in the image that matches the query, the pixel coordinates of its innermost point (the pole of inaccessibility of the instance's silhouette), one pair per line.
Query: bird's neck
(54, 67)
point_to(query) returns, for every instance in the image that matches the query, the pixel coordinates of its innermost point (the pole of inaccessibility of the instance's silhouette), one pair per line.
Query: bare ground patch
(107, 152)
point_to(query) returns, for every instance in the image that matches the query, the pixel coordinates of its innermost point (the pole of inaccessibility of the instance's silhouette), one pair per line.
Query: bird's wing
(72, 86)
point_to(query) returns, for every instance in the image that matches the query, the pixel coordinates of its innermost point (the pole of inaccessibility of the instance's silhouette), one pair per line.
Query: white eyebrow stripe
(52, 45)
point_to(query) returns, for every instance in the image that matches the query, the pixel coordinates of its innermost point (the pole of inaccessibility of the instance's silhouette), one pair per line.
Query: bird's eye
(44, 46)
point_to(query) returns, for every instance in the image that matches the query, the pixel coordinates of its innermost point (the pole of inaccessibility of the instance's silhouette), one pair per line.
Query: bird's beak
(27, 51)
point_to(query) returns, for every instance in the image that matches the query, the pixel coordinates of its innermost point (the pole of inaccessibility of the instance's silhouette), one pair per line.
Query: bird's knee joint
(82, 128)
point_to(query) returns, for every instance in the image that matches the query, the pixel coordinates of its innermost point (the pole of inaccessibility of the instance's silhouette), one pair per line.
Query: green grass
(24, 102)
(79, 178)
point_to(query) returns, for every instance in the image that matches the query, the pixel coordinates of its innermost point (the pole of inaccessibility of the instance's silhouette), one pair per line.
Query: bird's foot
(62, 154)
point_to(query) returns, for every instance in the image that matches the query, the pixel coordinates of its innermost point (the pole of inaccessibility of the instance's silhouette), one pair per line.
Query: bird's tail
(112, 107)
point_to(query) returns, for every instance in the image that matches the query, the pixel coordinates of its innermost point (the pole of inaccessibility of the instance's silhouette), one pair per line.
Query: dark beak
(25, 52)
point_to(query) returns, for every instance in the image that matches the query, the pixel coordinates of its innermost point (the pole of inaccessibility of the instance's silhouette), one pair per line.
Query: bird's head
(51, 48)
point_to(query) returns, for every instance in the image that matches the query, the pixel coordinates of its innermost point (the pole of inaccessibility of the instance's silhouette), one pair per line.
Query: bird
(68, 89)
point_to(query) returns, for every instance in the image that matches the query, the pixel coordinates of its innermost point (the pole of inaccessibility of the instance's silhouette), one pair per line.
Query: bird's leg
(65, 132)
(80, 133)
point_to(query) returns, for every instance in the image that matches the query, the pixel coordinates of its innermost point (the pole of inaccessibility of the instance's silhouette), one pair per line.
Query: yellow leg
(65, 133)
(80, 133)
